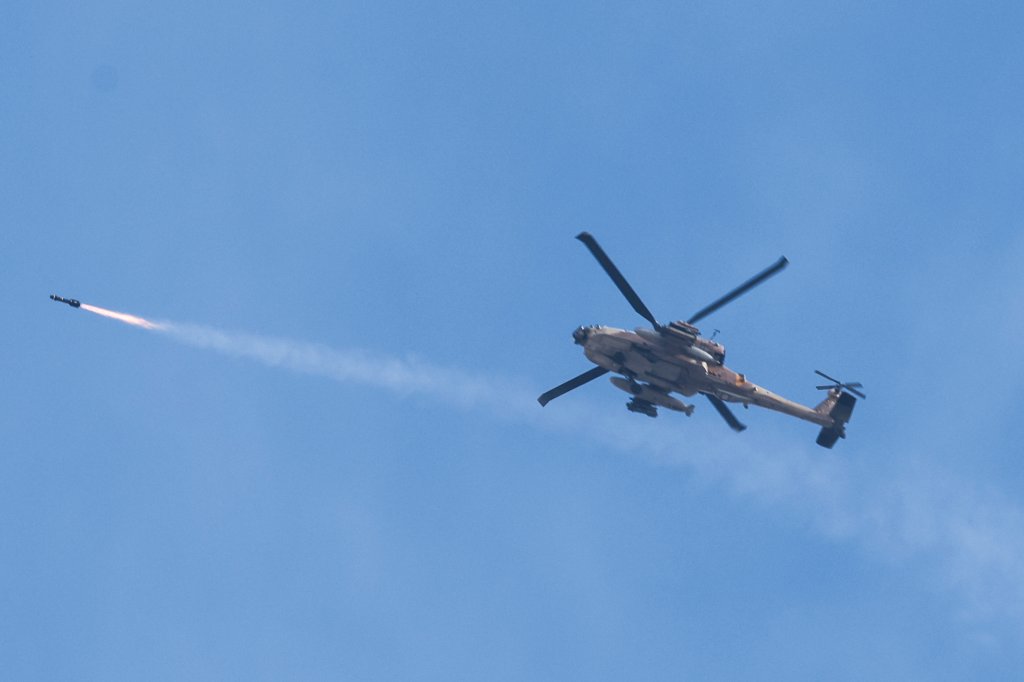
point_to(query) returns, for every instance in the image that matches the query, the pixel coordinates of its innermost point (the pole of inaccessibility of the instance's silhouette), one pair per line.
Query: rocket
(70, 301)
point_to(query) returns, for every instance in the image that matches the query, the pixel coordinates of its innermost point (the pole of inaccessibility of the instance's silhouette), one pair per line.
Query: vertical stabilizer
(840, 409)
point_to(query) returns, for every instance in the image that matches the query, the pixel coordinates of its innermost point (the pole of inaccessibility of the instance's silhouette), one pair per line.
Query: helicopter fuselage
(674, 358)
(656, 363)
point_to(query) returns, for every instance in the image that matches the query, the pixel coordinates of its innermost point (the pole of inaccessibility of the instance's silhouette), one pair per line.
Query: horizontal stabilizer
(828, 437)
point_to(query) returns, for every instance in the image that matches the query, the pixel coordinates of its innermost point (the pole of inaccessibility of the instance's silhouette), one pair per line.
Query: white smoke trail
(973, 539)
(120, 317)
(404, 377)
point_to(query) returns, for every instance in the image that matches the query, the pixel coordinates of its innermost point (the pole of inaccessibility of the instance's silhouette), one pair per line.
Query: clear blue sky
(402, 182)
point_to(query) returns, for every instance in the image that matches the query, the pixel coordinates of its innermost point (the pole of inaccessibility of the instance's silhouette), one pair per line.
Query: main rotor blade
(620, 281)
(726, 413)
(740, 290)
(576, 382)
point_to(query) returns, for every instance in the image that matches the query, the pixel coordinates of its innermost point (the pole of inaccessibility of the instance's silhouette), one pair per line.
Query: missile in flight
(70, 301)
(112, 314)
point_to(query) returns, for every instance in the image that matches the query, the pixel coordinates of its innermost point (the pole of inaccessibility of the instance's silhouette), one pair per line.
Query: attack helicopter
(652, 363)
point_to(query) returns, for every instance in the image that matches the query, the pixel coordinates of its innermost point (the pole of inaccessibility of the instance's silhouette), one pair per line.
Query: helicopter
(652, 363)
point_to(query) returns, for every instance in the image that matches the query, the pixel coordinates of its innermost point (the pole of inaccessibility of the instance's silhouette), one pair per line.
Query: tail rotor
(836, 383)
